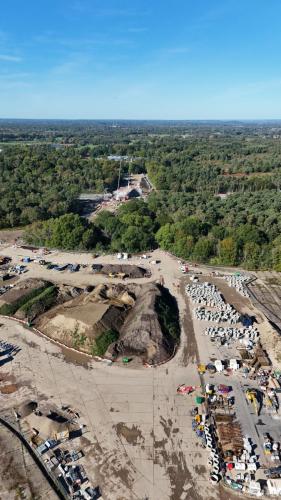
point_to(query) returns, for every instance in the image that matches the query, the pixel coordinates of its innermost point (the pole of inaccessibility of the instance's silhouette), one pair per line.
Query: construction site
(128, 187)
(182, 409)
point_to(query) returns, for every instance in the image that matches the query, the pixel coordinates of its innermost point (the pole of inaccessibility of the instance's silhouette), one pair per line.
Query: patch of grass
(42, 301)
(103, 341)
(10, 309)
(78, 339)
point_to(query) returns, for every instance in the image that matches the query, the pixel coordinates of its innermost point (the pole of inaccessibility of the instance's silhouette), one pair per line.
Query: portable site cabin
(233, 364)
(219, 365)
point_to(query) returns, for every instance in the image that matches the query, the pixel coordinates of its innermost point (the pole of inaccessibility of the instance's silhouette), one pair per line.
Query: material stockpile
(229, 435)
(227, 314)
(247, 336)
(205, 294)
(238, 453)
(238, 282)
(259, 359)
(205, 431)
(208, 295)
(219, 397)
(271, 448)
(127, 270)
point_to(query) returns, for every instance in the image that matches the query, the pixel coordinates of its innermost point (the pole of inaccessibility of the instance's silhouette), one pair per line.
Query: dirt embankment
(78, 322)
(20, 478)
(21, 290)
(151, 329)
(130, 310)
(128, 270)
(140, 320)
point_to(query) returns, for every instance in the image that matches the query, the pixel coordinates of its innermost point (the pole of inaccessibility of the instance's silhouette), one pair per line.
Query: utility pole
(119, 177)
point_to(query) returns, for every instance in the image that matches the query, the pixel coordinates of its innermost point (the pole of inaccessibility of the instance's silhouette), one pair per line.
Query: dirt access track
(140, 442)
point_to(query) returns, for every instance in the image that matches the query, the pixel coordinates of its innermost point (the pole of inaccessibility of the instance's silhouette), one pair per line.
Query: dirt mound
(142, 315)
(79, 321)
(129, 270)
(66, 292)
(143, 332)
(20, 290)
(8, 389)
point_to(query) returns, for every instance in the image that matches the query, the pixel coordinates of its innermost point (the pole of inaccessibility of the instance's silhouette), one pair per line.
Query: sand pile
(79, 321)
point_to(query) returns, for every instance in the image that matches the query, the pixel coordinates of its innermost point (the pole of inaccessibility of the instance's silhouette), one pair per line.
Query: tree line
(217, 197)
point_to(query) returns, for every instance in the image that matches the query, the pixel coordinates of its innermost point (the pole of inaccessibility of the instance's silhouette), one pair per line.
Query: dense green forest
(217, 191)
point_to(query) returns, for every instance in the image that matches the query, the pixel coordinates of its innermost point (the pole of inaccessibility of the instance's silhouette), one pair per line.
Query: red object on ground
(230, 466)
(185, 389)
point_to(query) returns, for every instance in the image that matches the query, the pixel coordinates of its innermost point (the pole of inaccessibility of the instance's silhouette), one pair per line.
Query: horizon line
(147, 119)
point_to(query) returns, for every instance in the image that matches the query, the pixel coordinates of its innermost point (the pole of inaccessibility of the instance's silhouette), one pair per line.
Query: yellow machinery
(252, 396)
(267, 400)
(117, 275)
(201, 369)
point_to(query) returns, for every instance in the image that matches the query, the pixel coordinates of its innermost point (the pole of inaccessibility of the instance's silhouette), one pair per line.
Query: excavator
(253, 397)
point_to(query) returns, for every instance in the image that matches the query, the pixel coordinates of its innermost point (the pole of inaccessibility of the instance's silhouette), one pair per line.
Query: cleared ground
(139, 443)
(20, 477)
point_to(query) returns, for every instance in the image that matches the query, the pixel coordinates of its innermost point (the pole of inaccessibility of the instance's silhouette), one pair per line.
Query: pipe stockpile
(238, 282)
(205, 431)
(232, 334)
(214, 458)
(227, 314)
(205, 294)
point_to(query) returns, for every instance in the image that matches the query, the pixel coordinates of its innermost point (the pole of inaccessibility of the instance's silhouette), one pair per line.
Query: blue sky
(161, 59)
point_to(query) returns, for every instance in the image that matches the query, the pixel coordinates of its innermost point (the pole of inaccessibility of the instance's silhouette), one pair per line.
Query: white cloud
(9, 58)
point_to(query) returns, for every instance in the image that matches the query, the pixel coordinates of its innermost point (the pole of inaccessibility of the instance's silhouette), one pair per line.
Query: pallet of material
(229, 434)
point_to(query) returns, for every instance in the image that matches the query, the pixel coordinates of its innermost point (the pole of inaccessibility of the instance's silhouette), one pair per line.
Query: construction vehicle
(117, 275)
(252, 396)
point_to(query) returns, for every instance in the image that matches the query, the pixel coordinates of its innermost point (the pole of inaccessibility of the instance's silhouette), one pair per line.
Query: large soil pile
(20, 290)
(79, 321)
(144, 318)
(131, 310)
(129, 270)
(142, 332)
